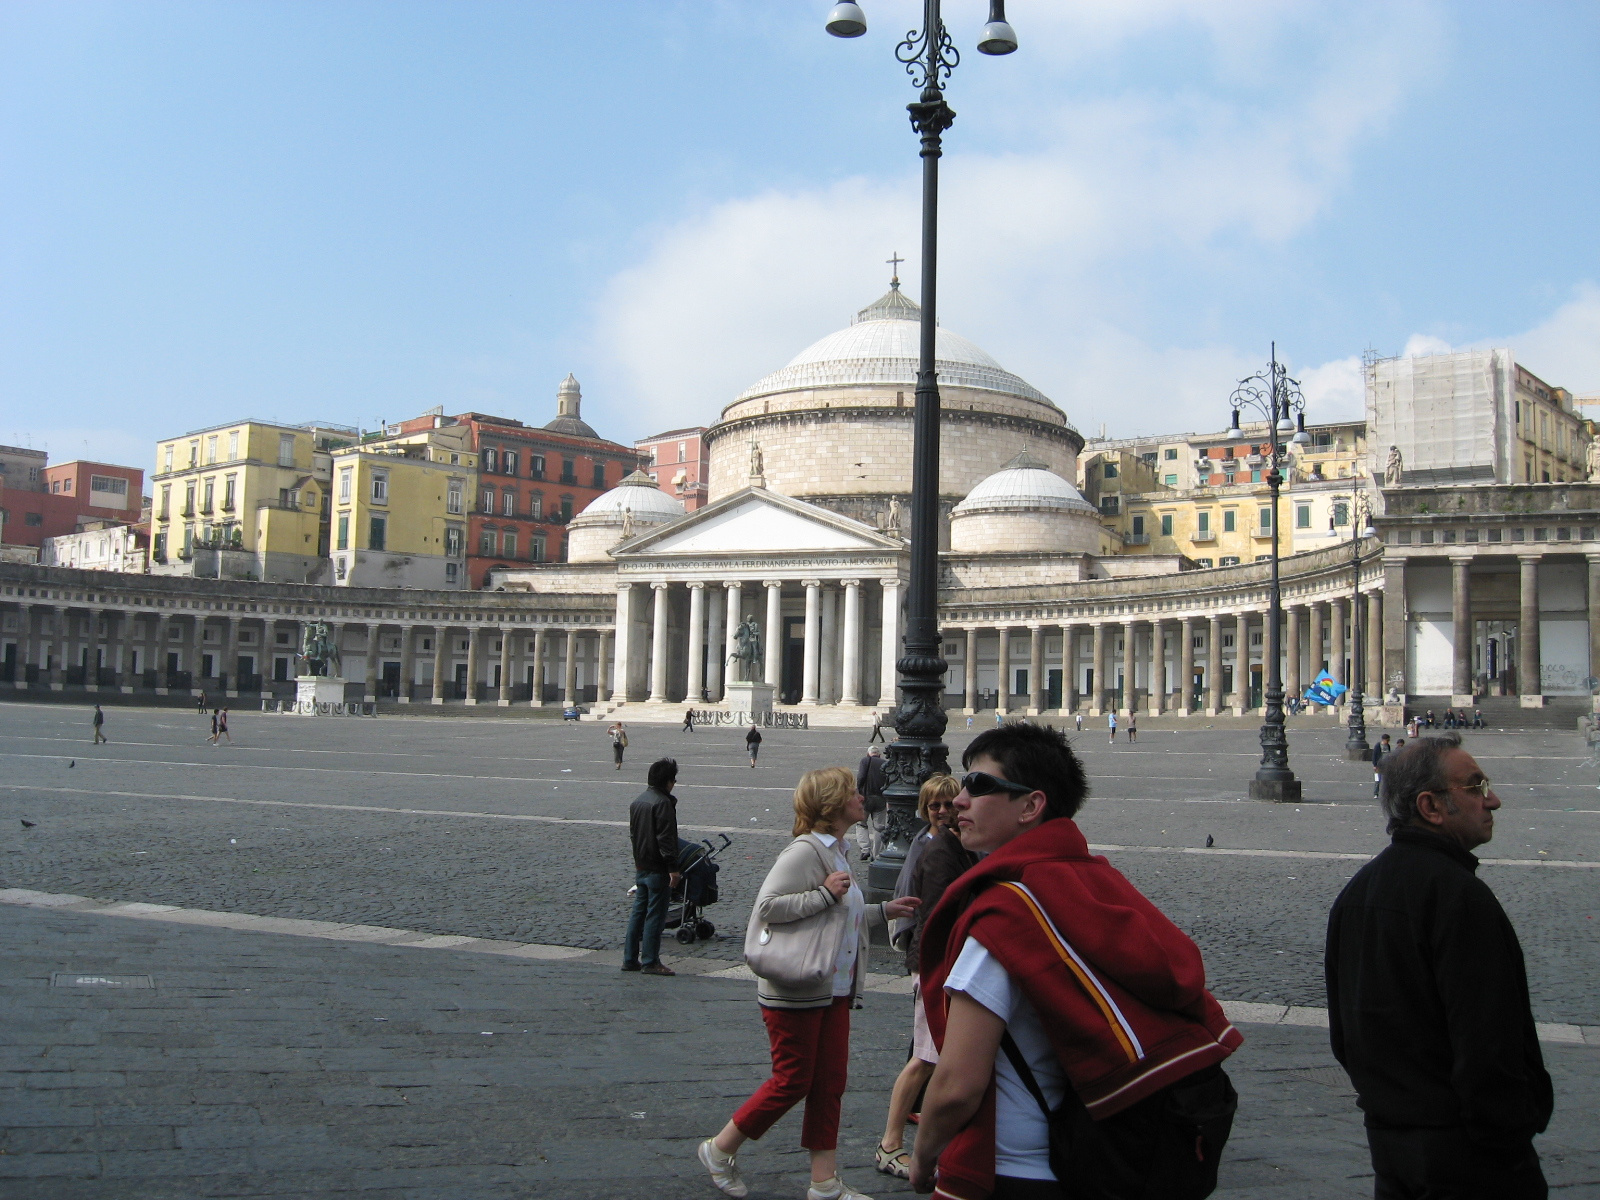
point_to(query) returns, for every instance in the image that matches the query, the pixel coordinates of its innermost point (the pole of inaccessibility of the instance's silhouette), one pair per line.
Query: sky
(353, 212)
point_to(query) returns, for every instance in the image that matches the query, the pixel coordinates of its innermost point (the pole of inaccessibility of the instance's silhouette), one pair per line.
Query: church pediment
(756, 520)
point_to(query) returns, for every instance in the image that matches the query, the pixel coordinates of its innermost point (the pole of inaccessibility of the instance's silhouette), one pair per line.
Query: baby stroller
(697, 890)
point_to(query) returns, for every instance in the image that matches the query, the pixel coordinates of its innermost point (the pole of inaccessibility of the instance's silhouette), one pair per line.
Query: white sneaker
(834, 1189)
(724, 1169)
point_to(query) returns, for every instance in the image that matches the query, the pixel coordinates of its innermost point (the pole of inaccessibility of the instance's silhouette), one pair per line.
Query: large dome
(639, 494)
(1024, 483)
(881, 346)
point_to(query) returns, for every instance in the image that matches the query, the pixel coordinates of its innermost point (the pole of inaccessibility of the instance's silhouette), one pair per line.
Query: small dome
(639, 494)
(1024, 483)
(569, 398)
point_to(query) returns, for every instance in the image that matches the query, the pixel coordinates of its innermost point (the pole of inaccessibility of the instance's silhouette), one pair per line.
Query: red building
(679, 463)
(69, 495)
(532, 481)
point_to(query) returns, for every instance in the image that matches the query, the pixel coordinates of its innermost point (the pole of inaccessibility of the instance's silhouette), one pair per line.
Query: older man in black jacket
(1428, 997)
(653, 824)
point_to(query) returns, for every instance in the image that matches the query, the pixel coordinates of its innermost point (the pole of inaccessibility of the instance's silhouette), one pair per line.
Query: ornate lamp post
(919, 750)
(1277, 398)
(1355, 745)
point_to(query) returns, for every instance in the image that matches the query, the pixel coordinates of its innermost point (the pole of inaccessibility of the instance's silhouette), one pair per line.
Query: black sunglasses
(981, 783)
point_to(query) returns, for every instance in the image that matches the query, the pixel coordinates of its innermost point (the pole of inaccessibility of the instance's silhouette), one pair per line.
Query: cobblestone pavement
(261, 1065)
(514, 829)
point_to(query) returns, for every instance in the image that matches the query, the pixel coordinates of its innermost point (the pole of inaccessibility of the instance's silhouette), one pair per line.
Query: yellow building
(400, 510)
(244, 500)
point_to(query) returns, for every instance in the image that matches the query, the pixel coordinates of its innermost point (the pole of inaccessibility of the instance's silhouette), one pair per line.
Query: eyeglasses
(981, 783)
(934, 805)
(1481, 787)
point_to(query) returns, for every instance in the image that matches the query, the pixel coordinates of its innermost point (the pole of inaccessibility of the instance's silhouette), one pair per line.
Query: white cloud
(1053, 258)
(1564, 349)
(1334, 391)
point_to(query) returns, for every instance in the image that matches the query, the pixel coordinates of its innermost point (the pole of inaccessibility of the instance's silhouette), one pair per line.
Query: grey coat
(793, 891)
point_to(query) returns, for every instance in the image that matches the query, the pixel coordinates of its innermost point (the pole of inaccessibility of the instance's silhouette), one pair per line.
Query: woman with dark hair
(809, 900)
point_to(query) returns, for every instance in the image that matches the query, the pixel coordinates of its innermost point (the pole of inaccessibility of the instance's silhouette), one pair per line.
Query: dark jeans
(648, 916)
(1451, 1164)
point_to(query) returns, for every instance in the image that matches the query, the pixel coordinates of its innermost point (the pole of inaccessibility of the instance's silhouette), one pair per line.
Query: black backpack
(1165, 1147)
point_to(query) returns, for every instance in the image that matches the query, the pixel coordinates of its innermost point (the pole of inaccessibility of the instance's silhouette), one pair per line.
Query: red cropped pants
(810, 1062)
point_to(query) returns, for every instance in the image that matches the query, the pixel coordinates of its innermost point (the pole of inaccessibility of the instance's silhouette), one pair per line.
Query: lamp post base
(1275, 791)
(1358, 753)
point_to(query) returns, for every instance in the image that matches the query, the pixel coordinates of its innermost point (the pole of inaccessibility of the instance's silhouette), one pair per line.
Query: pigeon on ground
(1210, 841)
(73, 763)
(27, 824)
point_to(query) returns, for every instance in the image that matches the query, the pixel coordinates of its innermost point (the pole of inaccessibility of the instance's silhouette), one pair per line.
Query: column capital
(850, 583)
(733, 583)
(772, 583)
(660, 587)
(811, 583)
(890, 581)
(624, 586)
(1462, 560)
(694, 585)
(1530, 558)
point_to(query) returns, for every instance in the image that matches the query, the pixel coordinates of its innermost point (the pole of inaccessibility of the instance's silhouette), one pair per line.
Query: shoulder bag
(796, 954)
(1165, 1147)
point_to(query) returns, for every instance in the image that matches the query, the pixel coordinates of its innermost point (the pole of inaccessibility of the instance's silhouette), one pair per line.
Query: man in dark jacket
(653, 824)
(870, 783)
(1428, 999)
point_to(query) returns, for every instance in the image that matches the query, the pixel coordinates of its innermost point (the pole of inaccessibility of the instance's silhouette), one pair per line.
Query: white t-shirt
(856, 907)
(1021, 1133)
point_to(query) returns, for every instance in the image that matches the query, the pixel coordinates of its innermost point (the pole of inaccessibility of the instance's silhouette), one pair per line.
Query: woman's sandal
(894, 1162)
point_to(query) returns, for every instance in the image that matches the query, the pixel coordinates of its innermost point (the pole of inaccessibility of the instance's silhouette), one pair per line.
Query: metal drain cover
(73, 979)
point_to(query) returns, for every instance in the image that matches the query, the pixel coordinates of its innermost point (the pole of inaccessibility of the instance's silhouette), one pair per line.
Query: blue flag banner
(1325, 689)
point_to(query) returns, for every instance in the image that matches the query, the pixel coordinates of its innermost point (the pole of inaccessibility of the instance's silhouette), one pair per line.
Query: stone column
(158, 652)
(1292, 685)
(408, 663)
(474, 661)
(441, 653)
(372, 666)
(1130, 666)
(1069, 668)
(1003, 671)
(230, 654)
(58, 642)
(733, 606)
(1186, 667)
(1241, 664)
(658, 643)
(888, 693)
(715, 658)
(828, 655)
(508, 678)
(569, 669)
(1337, 624)
(772, 669)
(602, 668)
(1035, 670)
(1097, 653)
(1374, 638)
(695, 681)
(1158, 667)
(971, 663)
(1461, 631)
(536, 688)
(1214, 694)
(808, 684)
(850, 692)
(1530, 679)
(1318, 659)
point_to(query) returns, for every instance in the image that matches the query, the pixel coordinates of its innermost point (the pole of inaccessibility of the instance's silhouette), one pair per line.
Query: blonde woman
(809, 1027)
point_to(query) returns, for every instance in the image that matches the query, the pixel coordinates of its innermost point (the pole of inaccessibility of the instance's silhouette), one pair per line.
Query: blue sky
(356, 211)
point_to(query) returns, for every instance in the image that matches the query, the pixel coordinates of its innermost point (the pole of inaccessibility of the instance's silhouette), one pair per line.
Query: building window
(449, 573)
(1109, 470)
(1204, 521)
(286, 449)
(491, 459)
(508, 504)
(1341, 513)
(1302, 516)
(344, 532)
(1138, 527)
(569, 470)
(452, 543)
(1266, 520)
(600, 475)
(380, 487)
(379, 535)
(166, 501)
(1110, 506)
(1228, 518)
(229, 484)
(1170, 480)
(211, 449)
(1263, 558)
(210, 490)
(486, 542)
(453, 498)
(233, 446)
(566, 508)
(108, 484)
(537, 549)
(1166, 524)
(161, 547)
(508, 461)
(509, 539)
(188, 500)
(166, 459)
(1229, 560)
(1204, 562)
(536, 506)
(1170, 455)
(488, 501)
(344, 484)
(536, 466)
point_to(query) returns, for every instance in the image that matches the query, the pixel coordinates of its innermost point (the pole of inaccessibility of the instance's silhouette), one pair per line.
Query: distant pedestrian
(222, 726)
(619, 742)
(200, 705)
(1380, 752)
(752, 743)
(1111, 720)
(216, 713)
(653, 827)
(870, 783)
(688, 720)
(1477, 718)
(1133, 726)
(99, 726)
(999, 718)
(1428, 1005)
(877, 729)
(969, 722)
(1430, 723)
(1079, 718)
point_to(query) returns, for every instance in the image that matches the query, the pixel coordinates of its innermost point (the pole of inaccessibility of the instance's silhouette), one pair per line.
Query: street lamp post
(1355, 746)
(919, 750)
(1277, 398)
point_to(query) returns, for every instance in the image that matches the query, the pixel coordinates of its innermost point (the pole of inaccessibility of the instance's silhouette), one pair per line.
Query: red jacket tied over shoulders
(1119, 988)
